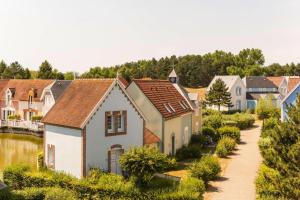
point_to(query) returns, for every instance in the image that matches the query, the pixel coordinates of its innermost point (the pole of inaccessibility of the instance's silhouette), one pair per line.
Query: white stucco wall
(176, 127)
(48, 102)
(97, 144)
(242, 97)
(68, 144)
(153, 117)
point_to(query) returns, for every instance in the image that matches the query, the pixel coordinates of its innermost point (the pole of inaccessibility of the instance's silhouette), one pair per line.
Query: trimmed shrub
(198, 139)
(192, 185)
(14, 117)
(242, 120)
(268, 183)
(207, 168)
(36, 118)
(187, 152)
(228, 131)
(229, 123)
(210, 132)
(59, 194)
(33, 193)
(214, 121)
(14, 176)
(270, 123)
(225, 146)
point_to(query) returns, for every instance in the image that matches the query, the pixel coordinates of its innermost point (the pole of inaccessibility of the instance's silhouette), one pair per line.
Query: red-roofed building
(167, 113)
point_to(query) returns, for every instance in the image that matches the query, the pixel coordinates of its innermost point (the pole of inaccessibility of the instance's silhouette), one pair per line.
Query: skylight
(181, 104)
(167, 108)
(171, 107)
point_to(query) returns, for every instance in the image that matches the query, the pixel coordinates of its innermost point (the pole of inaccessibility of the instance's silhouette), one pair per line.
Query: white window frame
(110, 116)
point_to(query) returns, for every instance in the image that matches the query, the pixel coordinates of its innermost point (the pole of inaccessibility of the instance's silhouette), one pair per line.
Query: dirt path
(237, 180)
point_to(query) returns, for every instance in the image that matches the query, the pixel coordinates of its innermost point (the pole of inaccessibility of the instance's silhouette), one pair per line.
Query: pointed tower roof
(173, 74)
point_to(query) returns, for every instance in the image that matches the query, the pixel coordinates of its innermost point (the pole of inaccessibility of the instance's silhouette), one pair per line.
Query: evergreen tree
(45, 71)
(218, 95)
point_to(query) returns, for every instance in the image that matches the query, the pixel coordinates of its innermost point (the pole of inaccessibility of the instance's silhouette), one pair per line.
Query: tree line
(193, 70)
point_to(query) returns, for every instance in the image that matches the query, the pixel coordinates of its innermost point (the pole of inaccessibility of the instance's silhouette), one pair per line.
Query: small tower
(173, 78)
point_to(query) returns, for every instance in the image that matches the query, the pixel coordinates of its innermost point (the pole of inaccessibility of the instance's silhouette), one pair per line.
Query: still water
(16, 149)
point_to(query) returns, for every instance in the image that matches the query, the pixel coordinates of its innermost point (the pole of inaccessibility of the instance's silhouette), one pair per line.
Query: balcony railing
(30, 125)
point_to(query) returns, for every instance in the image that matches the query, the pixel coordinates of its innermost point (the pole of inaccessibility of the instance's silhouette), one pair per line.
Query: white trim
(47, 88)
(290, 93)
(114, 83)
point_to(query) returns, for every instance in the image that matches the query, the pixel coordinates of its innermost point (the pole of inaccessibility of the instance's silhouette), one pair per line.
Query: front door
(114, 162)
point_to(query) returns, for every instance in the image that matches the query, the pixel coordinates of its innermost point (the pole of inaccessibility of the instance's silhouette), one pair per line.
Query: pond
(17, 149)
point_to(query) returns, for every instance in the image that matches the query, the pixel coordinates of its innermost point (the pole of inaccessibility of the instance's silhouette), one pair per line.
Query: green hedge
(228, 131)
(187, 152)
(214, 121)
(240, 120)
(225, 146)
(207, 168)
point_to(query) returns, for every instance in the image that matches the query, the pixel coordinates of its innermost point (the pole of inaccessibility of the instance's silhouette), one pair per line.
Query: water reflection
(15, 149)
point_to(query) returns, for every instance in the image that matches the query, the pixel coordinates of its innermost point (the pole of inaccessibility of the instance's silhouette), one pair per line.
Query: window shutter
(124, 114)
(106, 121)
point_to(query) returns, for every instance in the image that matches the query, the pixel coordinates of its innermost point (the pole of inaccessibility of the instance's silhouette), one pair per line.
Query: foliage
(207, 168)
(225, 146)
(192, 185)
(187, 152)
(241, 120)
(280, 148)
(270, 123)
(266, 109)
(228, 131)
(14, 117)
(36, 118)
(198, 139)
(218, 95)
(143, 162)
(210, 132)
(40, 160)
(214, 121)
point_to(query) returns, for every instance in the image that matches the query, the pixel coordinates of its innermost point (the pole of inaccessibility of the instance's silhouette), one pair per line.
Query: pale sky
(74, 35)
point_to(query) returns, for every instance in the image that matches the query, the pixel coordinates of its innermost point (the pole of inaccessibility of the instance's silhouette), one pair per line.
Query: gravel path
(237, 181)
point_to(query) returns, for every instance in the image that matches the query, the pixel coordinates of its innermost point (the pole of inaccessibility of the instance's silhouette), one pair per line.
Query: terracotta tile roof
(123, 81)
(150, 137)
(276, 79)
(163, 94)
(292, 82)
(77, 102)
(21, 88)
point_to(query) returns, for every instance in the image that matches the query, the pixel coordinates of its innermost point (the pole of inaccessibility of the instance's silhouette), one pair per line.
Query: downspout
(163, 136)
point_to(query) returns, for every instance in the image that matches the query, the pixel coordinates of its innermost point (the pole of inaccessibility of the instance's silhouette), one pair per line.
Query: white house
(167, 113)
(237, 89)
(51, 93)
(91, 125)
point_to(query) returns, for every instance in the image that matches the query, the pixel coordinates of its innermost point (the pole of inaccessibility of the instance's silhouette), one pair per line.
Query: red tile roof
(292, 82)
(123, 81)
(22, 88)
(77, 102)
(276, 79)
(150, 137)
(162, 93)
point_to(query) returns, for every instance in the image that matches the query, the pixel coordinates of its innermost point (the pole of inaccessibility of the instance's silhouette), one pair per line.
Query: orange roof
(22, 87)
(123, 81)
(292, 82)
(276, 79)
(163, 94)
(77, 102)
(150, 137)
(200, 91)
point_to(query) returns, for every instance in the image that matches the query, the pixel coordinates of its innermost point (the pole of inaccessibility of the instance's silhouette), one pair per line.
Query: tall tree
(45, 71)
(218, 95)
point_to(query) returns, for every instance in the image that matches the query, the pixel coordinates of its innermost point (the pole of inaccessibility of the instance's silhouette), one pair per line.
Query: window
(115, 123)
(30, 100)
(181, 104)
(238, 91)
(51, 156)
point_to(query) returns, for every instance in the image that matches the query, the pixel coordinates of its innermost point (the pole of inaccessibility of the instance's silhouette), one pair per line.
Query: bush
(40, 160)
(225, 146)
(242, 120)
(143, 162)
(214, 121)
(267, 183)
(229, 123)
(232, 132)
(14, 117)
(187, 152)
(59, 194)
(270, 123)
(198, 139)
(14, 176)
(36, 118)
(207, 168)
(210, 132)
